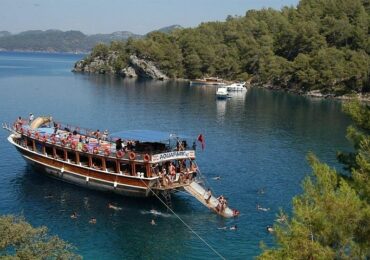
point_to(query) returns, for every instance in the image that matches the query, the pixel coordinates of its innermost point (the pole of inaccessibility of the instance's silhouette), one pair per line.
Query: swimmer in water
(222, 228)
(261, 208)
(111, 206)
(92, 221)
(270, 229)
(155, 212)
(74, 215)
(235, 227)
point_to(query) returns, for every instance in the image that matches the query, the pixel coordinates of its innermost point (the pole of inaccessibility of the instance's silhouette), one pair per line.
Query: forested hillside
(317, 45)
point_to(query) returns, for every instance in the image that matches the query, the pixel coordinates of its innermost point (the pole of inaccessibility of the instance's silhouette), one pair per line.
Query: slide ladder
(199, 192)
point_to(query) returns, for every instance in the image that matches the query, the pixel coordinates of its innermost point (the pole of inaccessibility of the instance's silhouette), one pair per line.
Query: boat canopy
(146, 136)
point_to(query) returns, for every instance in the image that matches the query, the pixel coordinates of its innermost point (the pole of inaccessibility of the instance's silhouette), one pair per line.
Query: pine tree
(331, 218)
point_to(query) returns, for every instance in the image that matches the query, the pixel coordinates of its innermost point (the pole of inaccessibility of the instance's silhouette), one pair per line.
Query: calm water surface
(253, 141)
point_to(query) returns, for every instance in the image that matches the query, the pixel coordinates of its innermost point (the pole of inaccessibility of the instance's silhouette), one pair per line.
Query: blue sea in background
(256, 140)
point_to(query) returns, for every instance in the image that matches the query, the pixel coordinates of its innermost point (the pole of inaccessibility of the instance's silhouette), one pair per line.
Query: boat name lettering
(173, 155)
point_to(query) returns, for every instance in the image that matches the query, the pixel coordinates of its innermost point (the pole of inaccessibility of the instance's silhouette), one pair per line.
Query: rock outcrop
(146, 69)
(128, 72)
(137, 67)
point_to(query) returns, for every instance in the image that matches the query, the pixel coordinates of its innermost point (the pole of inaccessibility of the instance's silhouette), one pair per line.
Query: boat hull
(84, 177)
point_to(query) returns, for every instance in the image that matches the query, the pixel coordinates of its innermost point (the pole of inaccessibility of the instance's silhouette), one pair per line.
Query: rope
(205, 242)
(202, 177)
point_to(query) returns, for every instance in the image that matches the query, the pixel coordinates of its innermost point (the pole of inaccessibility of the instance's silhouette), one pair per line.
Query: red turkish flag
(201, 140)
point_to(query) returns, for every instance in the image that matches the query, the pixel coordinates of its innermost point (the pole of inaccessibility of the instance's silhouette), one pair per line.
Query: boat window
(111, 165)
(84, 160)
(96, 163)
(72, 156)
(141, 169)
(29, 143)
(59, 153)
(49, 150)
(125, 168)
(39, 146)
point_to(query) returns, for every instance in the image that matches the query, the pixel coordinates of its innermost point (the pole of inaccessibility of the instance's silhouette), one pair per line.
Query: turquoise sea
(258, 140)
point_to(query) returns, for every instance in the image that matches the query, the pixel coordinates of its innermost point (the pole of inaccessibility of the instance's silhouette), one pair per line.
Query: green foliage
(19, 240)
(100, 50)
(320, 44)
(331, 219)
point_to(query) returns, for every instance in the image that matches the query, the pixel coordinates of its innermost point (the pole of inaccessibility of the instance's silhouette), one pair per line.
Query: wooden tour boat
(120, 163)
(213, 81)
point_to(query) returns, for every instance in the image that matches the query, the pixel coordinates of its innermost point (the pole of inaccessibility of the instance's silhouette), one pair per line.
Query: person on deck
(19, 123)
(56, 127)
(31, 118)
(119, 144)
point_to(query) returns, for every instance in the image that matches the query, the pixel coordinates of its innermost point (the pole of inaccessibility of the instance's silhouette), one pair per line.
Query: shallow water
(254, 141)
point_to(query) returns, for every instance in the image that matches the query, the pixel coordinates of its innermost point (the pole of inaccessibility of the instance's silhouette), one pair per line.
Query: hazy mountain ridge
(63, 41)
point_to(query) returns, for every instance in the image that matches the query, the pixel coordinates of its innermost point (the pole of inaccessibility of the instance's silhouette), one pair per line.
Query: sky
(107, 16)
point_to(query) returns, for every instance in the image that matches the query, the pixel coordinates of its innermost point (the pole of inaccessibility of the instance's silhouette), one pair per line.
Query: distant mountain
(169, 29)
(64, 41)
(4, 33)
(116, 36)
(58, 41)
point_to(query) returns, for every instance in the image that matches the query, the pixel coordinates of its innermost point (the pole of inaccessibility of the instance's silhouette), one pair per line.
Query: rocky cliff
(136, 67)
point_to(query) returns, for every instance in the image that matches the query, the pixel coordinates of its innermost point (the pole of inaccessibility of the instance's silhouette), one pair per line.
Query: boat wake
(156, 213)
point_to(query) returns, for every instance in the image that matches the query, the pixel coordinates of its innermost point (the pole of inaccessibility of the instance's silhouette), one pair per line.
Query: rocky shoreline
(143, 68)
(136, 67)
(317, 94)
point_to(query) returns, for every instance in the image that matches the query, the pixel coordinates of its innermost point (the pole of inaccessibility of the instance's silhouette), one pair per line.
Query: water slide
(40, 121)
(199, 192)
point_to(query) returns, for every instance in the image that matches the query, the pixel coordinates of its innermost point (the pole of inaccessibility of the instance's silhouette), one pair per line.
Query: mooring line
(173, 212)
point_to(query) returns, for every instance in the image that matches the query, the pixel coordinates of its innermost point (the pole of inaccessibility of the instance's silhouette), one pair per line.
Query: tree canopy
(19, 240)
(331, 219)
(318, 45)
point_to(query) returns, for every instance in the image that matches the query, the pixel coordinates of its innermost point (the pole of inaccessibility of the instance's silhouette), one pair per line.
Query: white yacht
(222, 93)
(240, 86)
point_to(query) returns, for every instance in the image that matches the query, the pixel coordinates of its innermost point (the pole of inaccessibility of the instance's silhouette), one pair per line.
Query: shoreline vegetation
(320, 48)
(331, 218)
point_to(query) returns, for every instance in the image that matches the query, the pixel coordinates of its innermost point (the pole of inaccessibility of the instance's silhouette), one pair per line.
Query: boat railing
(72, 142)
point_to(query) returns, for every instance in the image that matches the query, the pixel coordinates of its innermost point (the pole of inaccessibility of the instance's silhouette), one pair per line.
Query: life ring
(146, 157)
(73, 146)
(53, 139)
(64, 142)
(106, 152)
(95, 150)
(29, 133)
(37, 135)
(132, 156)
(119, 154)
(85, 148)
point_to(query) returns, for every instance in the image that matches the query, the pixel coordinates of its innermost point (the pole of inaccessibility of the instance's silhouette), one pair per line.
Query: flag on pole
(201, 140)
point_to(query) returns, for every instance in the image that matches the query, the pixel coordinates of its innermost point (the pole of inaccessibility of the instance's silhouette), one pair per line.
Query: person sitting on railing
(30, 119)
(18, 123)
(105, 135)
(56, 127)
(97, 134)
